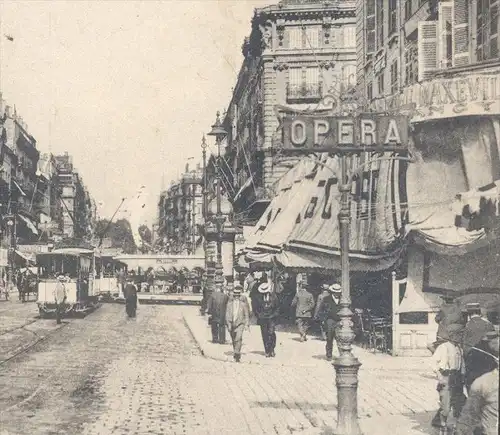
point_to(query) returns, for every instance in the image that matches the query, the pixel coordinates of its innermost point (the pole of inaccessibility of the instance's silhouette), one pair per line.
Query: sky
(127, 88)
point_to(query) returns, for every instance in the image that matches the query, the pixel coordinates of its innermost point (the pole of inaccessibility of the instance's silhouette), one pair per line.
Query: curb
(31, 344)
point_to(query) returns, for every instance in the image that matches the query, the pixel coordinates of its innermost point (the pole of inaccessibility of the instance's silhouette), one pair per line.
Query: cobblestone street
(107, 374)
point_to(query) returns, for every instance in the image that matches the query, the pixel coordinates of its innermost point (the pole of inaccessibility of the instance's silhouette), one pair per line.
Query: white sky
(126, 87)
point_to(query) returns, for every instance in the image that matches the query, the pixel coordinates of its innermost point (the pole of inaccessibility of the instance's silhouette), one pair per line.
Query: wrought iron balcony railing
(303, 92)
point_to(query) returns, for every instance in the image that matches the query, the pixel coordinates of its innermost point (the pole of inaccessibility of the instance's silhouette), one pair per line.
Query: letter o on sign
(298, 133)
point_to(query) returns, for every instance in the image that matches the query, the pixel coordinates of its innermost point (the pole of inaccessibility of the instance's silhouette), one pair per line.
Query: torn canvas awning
(21, 191)
(29, 223)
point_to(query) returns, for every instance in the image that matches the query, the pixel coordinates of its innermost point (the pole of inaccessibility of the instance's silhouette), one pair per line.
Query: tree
(120, 233)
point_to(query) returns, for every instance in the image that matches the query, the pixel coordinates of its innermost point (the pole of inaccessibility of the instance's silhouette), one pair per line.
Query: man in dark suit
(267, 310)
(477, 360)
(237, 319)
(216, 308)
(327, 312)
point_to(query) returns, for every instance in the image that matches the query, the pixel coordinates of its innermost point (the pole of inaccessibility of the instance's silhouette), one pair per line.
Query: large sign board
(366, 132)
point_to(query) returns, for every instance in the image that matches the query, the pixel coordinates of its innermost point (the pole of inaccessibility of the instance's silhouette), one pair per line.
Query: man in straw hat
(476, 361)
(480, 413)
(327, 313)
(267, 310)
(449, 367)
(237, 319)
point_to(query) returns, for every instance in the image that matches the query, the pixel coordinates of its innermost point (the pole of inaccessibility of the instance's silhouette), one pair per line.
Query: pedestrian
(130, 294)
(327, 312)
(260, 278)
(216, 308)
(122, 280)
(304, 309)
(60, 295)
(450, 314)
(248, 283)
(449, 367)
(480, 413)
(324, 292)
(267, 311)
(237, 319)
(477, 362)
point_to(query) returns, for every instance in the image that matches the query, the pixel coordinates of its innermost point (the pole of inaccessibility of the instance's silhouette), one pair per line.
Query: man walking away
(449, 367)
(480, 413)
(477, 361)
(237, 319)
(304, 309)
(60, 295)
(324, 293)
(216, 308)
(327, 313)
(130, 294)
(267, 311)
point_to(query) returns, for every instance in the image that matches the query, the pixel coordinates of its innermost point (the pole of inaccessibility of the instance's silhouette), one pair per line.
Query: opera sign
(367, 132)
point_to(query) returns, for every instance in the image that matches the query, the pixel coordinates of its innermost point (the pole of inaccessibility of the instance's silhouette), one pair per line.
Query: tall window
(349, 36)
(366, 194)
(394, 77)
(303, 84)
(369, 91)
(380, 82)
(300, 37)
(411, 64)
(380, 23)
(408, 9)
(487, 29)
(393, 17)
(370, 27)
(349, 76)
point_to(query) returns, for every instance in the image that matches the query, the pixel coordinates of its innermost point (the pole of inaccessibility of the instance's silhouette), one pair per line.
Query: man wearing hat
(304, 308)
(267, 310)
(237, 319)
(60, 296)
(324, 293)
(327, 312)
(130, 294)
(449, 367)
(476, 361)
(481, 409)
(216, 308)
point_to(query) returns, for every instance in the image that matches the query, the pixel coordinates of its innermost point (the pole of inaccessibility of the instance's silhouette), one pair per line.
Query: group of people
(465, 357)
(234, 312)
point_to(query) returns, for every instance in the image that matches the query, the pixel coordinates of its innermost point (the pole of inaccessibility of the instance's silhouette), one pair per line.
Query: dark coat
(130, 291)
(327, 309)
(266, 308)
(304, 303)
(216, 307)
(475, 330)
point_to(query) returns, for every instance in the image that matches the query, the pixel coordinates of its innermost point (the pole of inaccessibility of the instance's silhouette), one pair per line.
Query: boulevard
(107, 374)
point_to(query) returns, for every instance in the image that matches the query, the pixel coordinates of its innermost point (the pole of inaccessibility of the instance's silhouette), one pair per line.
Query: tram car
(78, 266)
(109, 276)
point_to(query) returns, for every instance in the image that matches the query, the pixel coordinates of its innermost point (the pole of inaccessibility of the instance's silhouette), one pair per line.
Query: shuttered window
(427, 49)
(487, 29)
(295, 39)
(312, 77)
(445, 35)
(370, 26)
(461, 41)
(312, 37)
(380, 23)
(295, 77)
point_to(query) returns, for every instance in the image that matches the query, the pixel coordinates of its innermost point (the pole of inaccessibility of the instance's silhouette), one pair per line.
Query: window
(487, 29)
(408, 9)
(304, 84)
(380, 23)
(370, 26)
(348, 77)
(349, 37)
(300, 37)
(369, 91)
(366, 195)
(380, 82)
(411, 64)
(445, 36)
(394, 77)
(393, 16)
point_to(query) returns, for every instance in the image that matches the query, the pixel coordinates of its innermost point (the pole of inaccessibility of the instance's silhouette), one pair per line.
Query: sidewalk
(396, 394)
(21, 328)
(290, 351)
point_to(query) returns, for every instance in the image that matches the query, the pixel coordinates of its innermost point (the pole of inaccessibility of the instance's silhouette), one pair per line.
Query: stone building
(439, 63)
(297, 52)
(180, 211)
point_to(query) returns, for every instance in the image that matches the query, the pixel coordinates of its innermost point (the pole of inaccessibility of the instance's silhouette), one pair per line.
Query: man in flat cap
(480, 413)
(476, 361)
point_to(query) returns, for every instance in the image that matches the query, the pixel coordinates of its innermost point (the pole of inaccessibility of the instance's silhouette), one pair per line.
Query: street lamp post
(219, 133)
(207, 284)
(12, 247)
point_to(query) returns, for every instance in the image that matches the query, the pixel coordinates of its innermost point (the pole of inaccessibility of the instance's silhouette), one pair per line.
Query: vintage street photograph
(249, 217)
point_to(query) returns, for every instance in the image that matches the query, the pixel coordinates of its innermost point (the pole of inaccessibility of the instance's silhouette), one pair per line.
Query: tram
(78, 265)
(109, 275)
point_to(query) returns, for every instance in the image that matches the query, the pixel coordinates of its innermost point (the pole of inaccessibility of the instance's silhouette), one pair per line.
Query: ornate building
(297, 52)
(181, 215)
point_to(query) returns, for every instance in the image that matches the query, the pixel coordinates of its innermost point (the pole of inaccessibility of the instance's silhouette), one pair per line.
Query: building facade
(180, 211)
(438, 62)
(296, 54)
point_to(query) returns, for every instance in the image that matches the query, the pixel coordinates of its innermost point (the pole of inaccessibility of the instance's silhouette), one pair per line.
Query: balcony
(304, 93)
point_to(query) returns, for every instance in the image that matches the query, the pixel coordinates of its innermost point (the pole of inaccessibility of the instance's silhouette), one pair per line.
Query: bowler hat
(237, 290)
(473, 307)
(264, 288)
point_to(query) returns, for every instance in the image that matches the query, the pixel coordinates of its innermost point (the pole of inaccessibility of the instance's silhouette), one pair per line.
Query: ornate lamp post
(219, 133)
(12, 247)
(206, 275)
